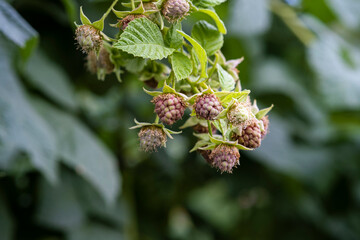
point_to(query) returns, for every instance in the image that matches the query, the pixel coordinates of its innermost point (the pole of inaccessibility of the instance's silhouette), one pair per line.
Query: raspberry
(103, 62)
(169, 107)
(126, 20)
(151, 138)
(225, 157)
(174, 10)
(239, 113)
(198, 128)
(207, 106)
(206, 155)
(265, 121)
(88, 38)
(250, 136)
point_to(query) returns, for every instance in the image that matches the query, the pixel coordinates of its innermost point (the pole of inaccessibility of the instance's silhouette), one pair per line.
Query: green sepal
(230, 143)
(193, 121)
(208, 147)
(227, 97)
(262, 113)
(166, 89)
(168, 132)
(139, 10)
(84, 19)
(99, 24)
(219, 23)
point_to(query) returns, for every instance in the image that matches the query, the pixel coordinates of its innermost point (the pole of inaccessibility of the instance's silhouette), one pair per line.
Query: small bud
(240, 113)
(169, 107)
(225, 157)
(88, 38)
(151, 138)
(207, 106)
(174, 10)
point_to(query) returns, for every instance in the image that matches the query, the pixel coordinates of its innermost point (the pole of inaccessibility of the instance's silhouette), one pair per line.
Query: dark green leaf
(208, 37)
(181, 65)
(173, 39)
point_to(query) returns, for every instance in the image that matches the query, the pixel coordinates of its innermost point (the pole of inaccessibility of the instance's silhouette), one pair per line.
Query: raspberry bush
(189, 71)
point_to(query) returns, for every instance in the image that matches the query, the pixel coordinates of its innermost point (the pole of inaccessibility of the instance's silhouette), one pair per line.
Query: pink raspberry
(250, 136)
(169, 107)
(207, 106)
(174, 10)
(225, 157)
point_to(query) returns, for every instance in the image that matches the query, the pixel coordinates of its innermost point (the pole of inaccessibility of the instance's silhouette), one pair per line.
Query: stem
(213, 68)
(209, 127)
(157, 119)
(195, 89)
(133, 4)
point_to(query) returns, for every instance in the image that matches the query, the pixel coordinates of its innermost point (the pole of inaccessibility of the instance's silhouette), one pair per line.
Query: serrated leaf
(173, 39)
(181, 65)
(262, 113)
(50, 79)
(83, 18)
(229, 96)
(143, 38)
(200, 52)
(58, 205)
(208, 37)
(227, 82)
(15, 28)
(208, 3)
(80, 149)
(21, 127)
(219, 23)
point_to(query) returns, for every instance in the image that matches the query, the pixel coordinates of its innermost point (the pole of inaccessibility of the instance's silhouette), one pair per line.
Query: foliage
(66, 148)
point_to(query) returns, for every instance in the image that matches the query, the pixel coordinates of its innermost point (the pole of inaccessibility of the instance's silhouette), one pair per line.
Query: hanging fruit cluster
(196, 76)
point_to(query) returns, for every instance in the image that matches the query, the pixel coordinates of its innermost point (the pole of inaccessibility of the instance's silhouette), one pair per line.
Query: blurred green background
(71, 169)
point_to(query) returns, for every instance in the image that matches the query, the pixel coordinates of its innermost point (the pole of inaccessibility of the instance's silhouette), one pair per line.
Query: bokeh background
(71, 169)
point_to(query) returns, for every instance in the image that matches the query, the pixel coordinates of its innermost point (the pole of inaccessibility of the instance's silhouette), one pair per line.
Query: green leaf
(208, 3)
(81, 150)
(58, 206)
(262, 113)
(143, 38)
(15, 28)
(21, 128)
(227, 97)
(249, 18)
(200, 52)
(94, 231)
(83, 18)
(173, 39)
(50, 79)
(219, 23)
(208, 37)
(227, 82)
(181, 65)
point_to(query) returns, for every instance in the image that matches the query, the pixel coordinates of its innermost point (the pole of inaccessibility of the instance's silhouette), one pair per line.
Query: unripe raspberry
(126, 20)
(207, 106)
(169, 107)
(206, 155)
(198, 128)
(151, 138)
(88, 38)
(174, 10)
(101, 62)
(239, 113)
(265, 121)
(225, 157)
(250, 136)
